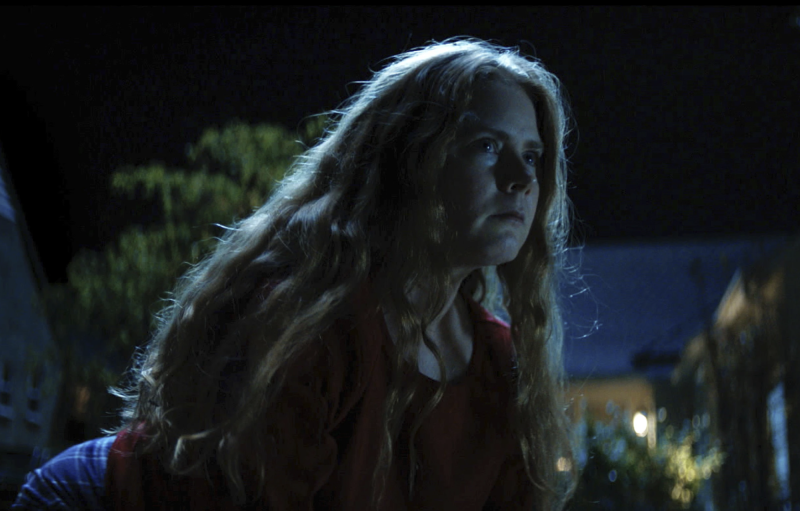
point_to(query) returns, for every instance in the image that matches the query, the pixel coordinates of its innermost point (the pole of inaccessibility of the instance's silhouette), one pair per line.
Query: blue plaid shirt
(75, 479)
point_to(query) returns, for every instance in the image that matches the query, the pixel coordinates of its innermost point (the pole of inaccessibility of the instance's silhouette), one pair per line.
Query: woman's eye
(488, 146)
(531, 159)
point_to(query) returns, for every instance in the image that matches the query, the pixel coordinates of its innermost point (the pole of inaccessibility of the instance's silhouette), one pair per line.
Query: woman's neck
(451, 331)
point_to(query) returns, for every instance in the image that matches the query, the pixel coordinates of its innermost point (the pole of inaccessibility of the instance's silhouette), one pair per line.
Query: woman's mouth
(511, 216)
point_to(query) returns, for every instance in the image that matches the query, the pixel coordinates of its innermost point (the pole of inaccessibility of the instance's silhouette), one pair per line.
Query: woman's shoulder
(74, 479)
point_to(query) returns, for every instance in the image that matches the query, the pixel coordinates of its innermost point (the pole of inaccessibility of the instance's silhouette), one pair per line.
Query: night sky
(687, 118)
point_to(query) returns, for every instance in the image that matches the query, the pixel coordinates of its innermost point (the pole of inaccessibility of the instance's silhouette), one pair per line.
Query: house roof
(630, 307)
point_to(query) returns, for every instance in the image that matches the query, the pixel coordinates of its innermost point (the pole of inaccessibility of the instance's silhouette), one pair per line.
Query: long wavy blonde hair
(362, 204)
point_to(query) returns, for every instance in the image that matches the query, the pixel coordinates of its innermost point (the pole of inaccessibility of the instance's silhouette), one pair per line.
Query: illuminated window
(776, 406)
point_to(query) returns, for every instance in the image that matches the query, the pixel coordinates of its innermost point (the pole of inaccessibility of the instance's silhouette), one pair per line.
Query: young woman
(333, 352)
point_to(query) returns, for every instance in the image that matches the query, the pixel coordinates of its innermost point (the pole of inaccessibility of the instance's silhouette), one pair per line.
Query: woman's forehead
(497, 105)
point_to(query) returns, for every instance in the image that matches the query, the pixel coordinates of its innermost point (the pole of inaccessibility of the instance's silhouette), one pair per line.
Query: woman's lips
(511, 216)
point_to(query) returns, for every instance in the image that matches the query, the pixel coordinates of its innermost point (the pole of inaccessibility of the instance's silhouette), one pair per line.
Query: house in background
(742, 372)
(29, 379)
(628, 313)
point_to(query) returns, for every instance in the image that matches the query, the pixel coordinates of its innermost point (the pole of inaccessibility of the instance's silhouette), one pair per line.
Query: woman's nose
(516, 175)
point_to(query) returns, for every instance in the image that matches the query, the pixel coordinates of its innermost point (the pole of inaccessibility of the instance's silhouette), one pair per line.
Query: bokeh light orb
(640, 424)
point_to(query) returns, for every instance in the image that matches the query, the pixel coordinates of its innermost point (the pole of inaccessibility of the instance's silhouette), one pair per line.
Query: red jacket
(328, 435)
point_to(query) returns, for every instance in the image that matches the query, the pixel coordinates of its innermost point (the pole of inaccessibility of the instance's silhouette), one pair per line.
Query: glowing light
(640, 424)
(563, 465)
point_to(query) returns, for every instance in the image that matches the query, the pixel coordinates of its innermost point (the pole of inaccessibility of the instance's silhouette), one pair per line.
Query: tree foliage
(619, 470)
(106, 308)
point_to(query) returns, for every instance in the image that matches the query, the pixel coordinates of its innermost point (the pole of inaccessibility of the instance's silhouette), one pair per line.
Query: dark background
(687, 118)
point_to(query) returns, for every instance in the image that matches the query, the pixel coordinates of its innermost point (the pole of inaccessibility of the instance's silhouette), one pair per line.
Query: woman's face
(489, 181)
